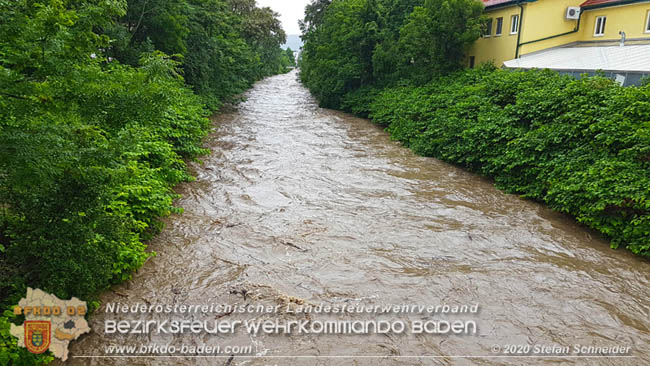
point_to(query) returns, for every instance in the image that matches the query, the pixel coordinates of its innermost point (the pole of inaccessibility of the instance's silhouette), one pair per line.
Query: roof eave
(607, 5)
(511, 3)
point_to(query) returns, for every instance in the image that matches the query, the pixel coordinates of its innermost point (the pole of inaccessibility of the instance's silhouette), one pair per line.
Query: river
(303, 205)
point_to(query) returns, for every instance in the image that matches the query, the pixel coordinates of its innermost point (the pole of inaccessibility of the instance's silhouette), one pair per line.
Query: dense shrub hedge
(96, 123)
(580, 146)
(84, 182)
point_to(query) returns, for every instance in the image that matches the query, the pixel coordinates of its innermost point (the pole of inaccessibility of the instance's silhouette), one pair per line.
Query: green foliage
(359, 101)
(96, 123)
(353, 44)
(225, 45)
(337, 56)
(290, 57)
(580, 146)
(437, 36)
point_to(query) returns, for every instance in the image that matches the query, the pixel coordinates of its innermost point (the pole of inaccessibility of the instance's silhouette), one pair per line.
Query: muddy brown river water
(303, 205)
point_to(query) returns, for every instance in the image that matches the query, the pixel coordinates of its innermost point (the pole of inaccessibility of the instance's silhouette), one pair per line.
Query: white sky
(290, 10)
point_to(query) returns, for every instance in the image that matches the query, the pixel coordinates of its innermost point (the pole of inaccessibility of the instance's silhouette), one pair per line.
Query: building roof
(597, 2)
(612, 58)
(586, 4)
(604, 3)
(490, 3)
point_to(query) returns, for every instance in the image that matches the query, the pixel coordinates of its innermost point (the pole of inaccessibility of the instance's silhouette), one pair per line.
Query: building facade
(517, 28)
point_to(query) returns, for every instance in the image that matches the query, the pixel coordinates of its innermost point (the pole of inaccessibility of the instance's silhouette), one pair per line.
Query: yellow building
(517, 28)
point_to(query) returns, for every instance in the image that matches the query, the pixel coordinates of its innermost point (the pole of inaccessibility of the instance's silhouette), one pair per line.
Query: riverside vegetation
(580, 146)
(101, 104)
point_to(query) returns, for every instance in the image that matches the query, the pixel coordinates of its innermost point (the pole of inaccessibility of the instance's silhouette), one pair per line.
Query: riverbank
(98, 119)
(582, 147)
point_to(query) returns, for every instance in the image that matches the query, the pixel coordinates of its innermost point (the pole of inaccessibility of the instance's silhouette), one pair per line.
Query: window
(499, 27)
(600, 26)
(647, 23)
(514, 24)
(488, 28)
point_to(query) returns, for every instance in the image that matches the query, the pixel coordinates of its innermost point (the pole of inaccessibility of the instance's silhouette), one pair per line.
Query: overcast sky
(290, 10)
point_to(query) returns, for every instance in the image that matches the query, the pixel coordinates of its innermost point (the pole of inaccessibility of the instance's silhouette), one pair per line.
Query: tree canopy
(101, 103)
(351, 44)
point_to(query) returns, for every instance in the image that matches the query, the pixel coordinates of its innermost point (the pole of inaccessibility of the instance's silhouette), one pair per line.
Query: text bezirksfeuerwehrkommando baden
(279, 326)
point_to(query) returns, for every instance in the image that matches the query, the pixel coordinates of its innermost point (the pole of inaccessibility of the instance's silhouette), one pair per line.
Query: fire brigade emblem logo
(37, 336)
(50, 323)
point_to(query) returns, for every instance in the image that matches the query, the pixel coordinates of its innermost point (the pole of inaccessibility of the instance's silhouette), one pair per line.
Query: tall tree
(314, 13)
(353, 44)
(438, 34)
(337, 55)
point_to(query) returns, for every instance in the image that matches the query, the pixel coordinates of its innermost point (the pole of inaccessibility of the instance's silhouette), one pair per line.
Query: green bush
(96, 124)
(86, 182)
(580, 146)
(353, 46)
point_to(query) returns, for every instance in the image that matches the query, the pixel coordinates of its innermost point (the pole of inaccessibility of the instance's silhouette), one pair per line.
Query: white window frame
(497, 27)
(600, 25)
(647, 23)
(514, 24)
